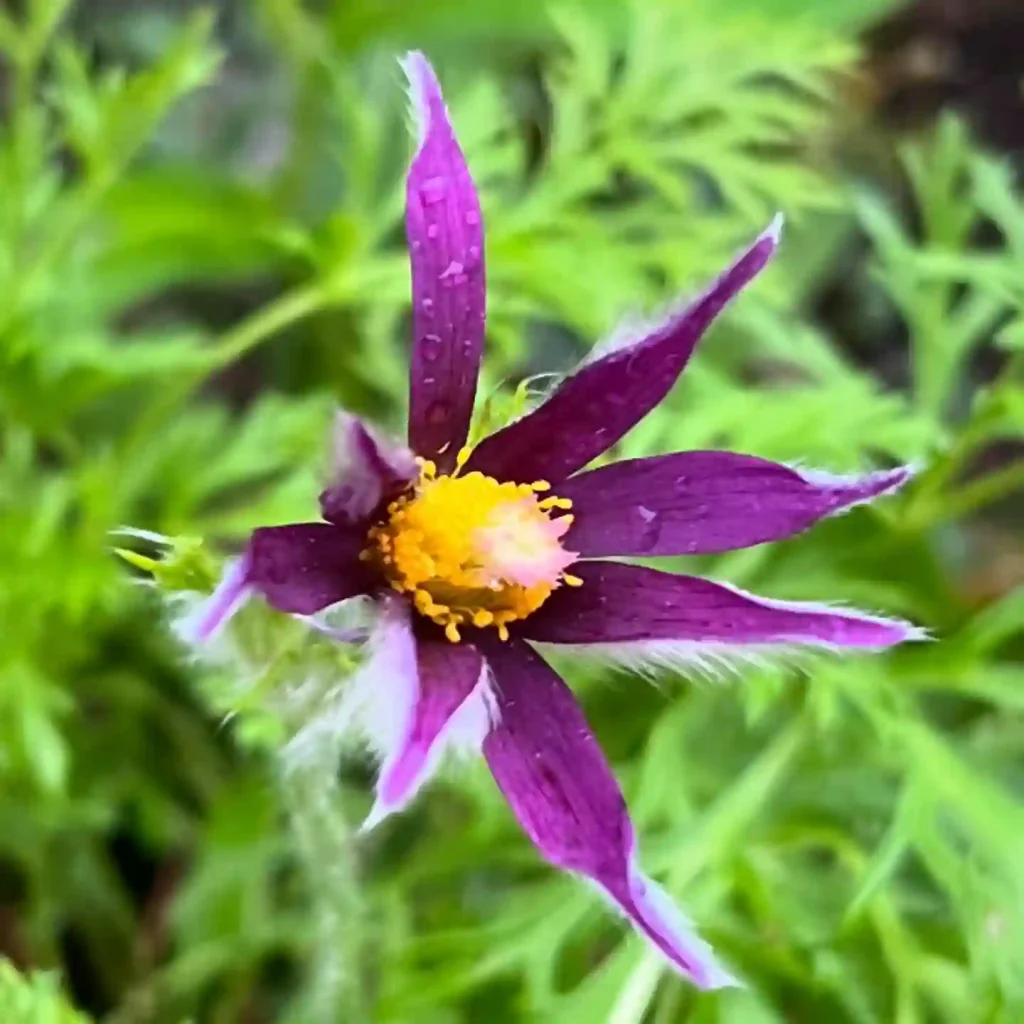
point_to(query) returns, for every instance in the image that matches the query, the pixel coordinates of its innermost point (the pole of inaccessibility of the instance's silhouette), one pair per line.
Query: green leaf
(34, 999)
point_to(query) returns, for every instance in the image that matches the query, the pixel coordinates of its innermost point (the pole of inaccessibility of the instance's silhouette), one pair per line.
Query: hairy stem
(325, 846)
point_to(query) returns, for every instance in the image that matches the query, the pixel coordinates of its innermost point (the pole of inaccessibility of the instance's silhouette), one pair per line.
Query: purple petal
(446, 250)
(367, 471)
(209, 618)
(305, 567)
(552, 772)
(621, 604)
(611, 393)
(448, 706)
(705, 502)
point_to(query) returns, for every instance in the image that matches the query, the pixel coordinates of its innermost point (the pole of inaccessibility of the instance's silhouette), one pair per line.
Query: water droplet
(433, 231)
(636, 365)
(431, 346)
(438, 413)
(454, 269)
(474, 252)
(432, 191)
(472, 218)
(427, 305)
(646, 514)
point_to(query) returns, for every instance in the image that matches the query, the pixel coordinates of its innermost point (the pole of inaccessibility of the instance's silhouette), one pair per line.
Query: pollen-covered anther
(473, 551)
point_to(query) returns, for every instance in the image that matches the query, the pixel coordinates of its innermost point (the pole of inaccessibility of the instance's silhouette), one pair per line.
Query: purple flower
(472, 557)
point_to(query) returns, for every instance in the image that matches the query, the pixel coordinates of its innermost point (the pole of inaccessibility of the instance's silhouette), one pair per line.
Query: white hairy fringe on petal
(655, 907)
(718, 659)
(418, 75)
(657, 904)
(375, 703)
(911, 632)
(463, 734)
(710, 661)
(634, 329)
(844, 481)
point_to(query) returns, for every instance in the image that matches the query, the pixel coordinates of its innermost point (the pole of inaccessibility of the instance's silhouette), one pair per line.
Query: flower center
(473, 551)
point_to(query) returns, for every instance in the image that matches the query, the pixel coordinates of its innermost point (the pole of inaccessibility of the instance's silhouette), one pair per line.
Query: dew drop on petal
(427, 305)
(432, 191)
(433, 231)
(472, 218)
(454, 269)
(438, 412)
(430, 347)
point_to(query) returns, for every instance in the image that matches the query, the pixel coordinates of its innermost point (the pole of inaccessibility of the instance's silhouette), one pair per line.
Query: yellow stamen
(471, 550)
(556, 503)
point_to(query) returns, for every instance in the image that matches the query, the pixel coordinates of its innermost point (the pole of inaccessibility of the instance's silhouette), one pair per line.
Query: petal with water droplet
(610, 393)
(706, 502)
(305, 567)
(445, 232)
(622, 605)
(551, 770)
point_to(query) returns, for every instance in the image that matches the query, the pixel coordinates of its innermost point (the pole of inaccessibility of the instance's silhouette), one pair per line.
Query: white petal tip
(421, 80)
(773, 233)
(378, 813)
(720, 979)
(916, 634)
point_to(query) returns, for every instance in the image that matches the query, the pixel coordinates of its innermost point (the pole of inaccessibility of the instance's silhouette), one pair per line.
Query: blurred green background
(201, 255)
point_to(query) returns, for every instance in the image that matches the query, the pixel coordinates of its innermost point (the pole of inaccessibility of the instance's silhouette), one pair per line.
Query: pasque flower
(472, 557)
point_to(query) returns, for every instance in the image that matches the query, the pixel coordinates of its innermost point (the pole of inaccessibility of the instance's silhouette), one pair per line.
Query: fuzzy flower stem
(326, 849)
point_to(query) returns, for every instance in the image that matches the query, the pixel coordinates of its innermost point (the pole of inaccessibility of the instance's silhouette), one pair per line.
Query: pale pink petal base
(375, 703)
(451, 707)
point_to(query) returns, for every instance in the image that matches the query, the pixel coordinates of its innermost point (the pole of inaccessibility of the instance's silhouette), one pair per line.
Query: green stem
(326, 849)
(272, 318)
(240, 340)
(986, 491)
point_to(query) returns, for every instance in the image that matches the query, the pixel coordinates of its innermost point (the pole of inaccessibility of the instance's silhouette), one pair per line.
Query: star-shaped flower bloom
(472, 556)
